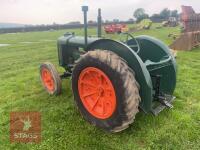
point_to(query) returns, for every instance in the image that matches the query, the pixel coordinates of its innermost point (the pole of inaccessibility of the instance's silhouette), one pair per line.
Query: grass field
(62, 125)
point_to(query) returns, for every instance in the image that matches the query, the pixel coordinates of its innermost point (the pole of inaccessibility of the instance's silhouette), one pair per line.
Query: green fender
(133, 60)
(162, 61)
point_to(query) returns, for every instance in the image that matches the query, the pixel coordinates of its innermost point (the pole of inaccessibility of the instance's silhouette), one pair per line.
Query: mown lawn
(62, 125)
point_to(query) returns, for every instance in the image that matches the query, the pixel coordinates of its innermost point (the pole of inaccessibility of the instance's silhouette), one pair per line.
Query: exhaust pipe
(99, 23)
(85, 9)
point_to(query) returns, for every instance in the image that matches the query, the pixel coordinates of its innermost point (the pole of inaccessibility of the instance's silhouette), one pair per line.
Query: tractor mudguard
(159, 61)
(133, 60)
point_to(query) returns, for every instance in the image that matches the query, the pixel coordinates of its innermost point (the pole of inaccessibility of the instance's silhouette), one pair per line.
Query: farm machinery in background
(116, 28)
(190, 36)
(112, 79)
(144, 24)
(171, 22)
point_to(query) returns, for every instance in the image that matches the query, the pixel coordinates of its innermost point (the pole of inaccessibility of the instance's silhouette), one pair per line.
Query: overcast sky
(63, 11)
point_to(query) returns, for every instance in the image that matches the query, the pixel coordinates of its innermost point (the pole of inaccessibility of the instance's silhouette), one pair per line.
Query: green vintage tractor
(112, 79)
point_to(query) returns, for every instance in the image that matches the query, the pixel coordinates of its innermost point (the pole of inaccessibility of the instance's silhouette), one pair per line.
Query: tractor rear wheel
(105, 90)
(50, 78)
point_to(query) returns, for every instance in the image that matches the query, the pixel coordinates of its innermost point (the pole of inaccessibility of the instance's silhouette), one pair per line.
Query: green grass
(62, 125)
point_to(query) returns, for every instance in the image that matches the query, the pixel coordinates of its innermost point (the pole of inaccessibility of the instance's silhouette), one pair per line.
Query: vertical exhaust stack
(85, 9)
(99, 23)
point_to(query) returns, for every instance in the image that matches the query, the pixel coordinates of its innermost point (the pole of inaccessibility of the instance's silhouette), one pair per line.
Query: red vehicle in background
(115, 28)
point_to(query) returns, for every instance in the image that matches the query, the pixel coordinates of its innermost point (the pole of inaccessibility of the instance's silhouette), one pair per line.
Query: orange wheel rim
(96, 92)
(47, 79)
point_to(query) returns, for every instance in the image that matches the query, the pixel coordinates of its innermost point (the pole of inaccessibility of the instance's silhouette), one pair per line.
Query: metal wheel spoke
(103, 107)
(89, 94)
(95, 103)
(49, 78)
(101, 79)
(109, 91)
(89, 84)
(93, 76)
(44, 75)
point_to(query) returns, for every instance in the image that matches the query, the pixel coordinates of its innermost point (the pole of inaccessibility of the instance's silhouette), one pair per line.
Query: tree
(174, 13)
(131, 20)
(91, 22)
(165, 13)
(116, 20)
(156, 18)
(74, 23)
(108, 21)
(140, 14)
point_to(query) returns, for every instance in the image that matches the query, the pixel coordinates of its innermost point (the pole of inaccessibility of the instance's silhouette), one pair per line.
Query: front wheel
(50, 78)
(105, 90)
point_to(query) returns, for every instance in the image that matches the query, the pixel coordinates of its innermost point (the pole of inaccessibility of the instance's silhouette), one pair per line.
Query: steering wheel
(130, 41)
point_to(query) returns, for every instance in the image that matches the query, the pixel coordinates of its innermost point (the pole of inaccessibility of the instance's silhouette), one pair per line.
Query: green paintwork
(134, 61)
(69, 46)
(153, 58)
(161, 61)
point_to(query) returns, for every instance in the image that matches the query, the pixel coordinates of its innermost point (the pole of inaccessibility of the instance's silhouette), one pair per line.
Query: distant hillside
(11, 25)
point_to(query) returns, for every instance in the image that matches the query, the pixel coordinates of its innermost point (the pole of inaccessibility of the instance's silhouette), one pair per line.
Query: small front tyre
(50, 78)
